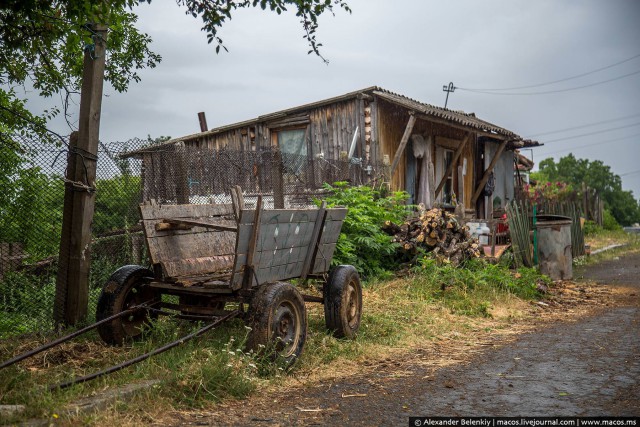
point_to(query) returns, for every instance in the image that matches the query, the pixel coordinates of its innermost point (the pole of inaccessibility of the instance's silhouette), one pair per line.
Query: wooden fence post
(277, 179)
(72, 282)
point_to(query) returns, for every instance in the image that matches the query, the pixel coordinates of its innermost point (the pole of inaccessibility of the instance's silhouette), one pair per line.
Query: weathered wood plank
(403, 143)
(286, 216)
(200, 265)
(173, 247)
(152, 232)
(323, 258)
(288, 235)
(456, 156)
(149, 212)
(191, 290)
(185, 224)
(314, 240)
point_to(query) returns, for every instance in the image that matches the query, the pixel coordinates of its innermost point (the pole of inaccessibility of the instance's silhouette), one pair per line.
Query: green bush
(362, 243)
(609, 222)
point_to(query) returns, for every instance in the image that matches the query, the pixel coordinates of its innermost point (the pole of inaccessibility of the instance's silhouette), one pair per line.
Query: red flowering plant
(549, 191)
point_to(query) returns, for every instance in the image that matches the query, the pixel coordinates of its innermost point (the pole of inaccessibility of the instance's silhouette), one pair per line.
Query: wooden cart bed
(211, 249)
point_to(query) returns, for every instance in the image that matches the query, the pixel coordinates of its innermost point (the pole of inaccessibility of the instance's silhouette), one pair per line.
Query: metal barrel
(554, 246)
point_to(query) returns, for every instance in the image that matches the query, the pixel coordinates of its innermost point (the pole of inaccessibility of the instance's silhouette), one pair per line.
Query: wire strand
(557, 81)
(583, 126)
(593, 133)
(593, 145)
(552, 91)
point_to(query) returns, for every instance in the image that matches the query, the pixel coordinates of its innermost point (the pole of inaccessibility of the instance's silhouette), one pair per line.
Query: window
(293, 145)
(447, 189)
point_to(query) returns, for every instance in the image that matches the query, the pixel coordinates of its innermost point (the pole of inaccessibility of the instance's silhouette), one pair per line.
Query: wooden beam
(487, 172)
(184, 224)
(403, 143)
(461, 127)
(72, 282)
(249, 268)
(456, 156)
(315, 239)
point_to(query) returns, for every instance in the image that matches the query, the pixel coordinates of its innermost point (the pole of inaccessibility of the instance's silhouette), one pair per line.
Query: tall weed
(362, 243)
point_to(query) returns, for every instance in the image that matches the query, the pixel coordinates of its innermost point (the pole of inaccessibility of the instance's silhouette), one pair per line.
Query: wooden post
(276, 179)
(182, 175)
(72, 283)
(403, 143)
(585, 211)
(456, 155)
(203, 122)
(316, 235)
(485, 177)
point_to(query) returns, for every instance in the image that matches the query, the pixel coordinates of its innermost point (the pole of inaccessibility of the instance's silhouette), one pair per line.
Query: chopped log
(435, 231)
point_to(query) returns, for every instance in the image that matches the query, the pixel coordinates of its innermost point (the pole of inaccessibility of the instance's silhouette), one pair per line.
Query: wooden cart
(219, 256)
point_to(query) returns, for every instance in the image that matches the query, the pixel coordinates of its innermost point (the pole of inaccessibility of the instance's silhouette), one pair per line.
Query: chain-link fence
(32, 207)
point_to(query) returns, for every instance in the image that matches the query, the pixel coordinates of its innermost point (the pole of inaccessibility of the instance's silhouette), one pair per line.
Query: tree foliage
(42, 44)
(30, 205)
(595, 174)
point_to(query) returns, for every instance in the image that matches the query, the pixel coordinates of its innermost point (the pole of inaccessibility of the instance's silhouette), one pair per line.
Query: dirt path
(589, 367)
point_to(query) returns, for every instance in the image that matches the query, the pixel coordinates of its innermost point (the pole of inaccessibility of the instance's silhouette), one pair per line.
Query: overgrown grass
(398, 314)
(27, 299)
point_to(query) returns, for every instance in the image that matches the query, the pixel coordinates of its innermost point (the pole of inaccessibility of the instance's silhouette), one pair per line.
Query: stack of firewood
(435, 231)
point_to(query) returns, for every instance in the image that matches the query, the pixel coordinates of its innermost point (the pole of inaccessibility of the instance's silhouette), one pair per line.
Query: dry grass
(602, 239)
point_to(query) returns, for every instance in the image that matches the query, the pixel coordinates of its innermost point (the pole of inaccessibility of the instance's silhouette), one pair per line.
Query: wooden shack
(438, 156)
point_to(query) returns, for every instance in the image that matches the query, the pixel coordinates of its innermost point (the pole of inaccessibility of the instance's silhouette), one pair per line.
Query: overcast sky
(412, 47)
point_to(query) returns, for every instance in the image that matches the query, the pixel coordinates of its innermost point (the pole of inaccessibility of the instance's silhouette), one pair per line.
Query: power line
(552, 91)
(592, 145)
(557, 81)
(583, 126)
(593, 133)
(629, 173)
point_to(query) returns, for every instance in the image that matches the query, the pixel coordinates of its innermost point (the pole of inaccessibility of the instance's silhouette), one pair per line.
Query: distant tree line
(622, 204)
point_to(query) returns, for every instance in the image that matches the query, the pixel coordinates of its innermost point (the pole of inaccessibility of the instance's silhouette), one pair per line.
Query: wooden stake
(72, 283)
(456, 155)
(403, 143)
(485, 177)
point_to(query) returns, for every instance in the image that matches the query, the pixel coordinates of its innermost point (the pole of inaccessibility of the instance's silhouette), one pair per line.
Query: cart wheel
(278, 318)
(343, 302)
(123, 290)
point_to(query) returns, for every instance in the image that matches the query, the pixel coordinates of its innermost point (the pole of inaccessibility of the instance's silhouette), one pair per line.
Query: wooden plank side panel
(279, 216)
(190, 251)
(323, 258)
(150, 212)
(280, 256)
(276, 232)
(200, 265)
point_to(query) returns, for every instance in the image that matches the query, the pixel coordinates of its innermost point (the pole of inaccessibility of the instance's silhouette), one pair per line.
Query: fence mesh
(32, 205)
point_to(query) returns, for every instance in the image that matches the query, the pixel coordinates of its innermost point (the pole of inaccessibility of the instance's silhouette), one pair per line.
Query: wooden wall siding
(391, 123)
(469, 178)
(330, 130)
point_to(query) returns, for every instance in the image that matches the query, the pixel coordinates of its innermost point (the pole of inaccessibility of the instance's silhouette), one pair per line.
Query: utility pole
(72, 283)
(448, 89)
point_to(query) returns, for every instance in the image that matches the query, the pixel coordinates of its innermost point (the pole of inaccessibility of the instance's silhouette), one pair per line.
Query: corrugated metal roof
(460, 118)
